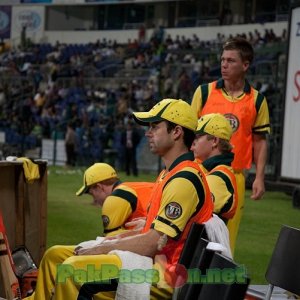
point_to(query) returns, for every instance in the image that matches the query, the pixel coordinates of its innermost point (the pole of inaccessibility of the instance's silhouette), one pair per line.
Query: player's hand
(122, 235)
(113, 237)
(89, 251)
(136, 223)
(77, 249)
(102, 248)
(258, 189)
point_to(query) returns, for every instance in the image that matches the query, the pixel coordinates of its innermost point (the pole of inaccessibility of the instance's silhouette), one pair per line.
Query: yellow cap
(216, 125)
(176, 111)
(96, 173)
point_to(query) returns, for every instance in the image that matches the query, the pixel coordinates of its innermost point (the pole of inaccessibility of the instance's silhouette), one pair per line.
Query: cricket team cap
(96, 173)
(176, 111)
(216, 125)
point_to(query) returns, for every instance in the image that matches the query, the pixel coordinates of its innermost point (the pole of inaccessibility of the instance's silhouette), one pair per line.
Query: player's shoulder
(187, 175)
(222, 173)
(258, 98)
(223, 169)
(124, 189)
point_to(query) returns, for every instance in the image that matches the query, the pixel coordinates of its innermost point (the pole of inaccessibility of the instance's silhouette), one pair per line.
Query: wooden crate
(24, 207)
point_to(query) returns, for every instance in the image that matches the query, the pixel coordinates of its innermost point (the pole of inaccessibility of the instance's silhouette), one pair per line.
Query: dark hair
(188, 136)
(244, 48)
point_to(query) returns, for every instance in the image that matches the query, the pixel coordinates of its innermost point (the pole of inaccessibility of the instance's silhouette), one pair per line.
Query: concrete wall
(34, 17)
(122, 36)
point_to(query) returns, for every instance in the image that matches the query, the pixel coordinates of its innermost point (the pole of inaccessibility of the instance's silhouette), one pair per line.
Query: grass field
(73, 219)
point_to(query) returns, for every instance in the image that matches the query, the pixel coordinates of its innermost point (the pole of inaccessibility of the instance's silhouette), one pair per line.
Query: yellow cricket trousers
(61, 273)
(234, 223)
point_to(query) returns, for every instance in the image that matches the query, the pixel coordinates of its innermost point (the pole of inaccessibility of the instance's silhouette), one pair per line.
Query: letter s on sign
(297, 84)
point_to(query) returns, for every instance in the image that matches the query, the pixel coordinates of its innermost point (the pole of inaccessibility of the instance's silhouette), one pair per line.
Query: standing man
(180, 197)
(131, 139)
(212, 146)
(70, 142)
(247, 111)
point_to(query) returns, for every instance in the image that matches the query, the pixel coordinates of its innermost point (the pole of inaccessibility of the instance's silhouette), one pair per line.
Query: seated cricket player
(180, 197)
(212, 147)
(121, 202)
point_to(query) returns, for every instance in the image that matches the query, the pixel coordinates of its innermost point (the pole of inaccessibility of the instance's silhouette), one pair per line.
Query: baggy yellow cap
(216, 125)
(96, 173)
(176, 111)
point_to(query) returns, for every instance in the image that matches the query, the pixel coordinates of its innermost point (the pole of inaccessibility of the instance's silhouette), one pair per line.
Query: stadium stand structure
(96, 84)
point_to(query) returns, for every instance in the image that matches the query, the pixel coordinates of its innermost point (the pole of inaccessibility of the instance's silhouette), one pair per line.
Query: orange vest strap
(144, 191)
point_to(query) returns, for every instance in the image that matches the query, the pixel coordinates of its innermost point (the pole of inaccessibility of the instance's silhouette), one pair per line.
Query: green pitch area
(73, 219)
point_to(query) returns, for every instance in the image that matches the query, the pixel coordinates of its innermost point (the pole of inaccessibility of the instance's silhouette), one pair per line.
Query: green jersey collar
(222, 159)
(221, 85)
(181, 158)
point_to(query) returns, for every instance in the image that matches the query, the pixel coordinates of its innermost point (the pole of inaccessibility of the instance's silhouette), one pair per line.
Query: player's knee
(53, 252)
(72, 261)
(50, 253)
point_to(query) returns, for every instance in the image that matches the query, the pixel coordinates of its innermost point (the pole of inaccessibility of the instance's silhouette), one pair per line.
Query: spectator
(142, 34)
(70, 142)
(23, 38)
(131, 138)
(118, 145)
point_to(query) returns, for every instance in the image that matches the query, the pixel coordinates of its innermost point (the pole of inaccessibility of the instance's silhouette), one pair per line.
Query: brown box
(24, 207)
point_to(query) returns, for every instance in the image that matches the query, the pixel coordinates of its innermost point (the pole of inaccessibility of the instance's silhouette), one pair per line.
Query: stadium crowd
(95, 87)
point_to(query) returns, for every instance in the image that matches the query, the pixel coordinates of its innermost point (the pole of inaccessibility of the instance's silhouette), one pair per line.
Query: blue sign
(36, 1)
(30, 19)
(5, 20)
(107, 1)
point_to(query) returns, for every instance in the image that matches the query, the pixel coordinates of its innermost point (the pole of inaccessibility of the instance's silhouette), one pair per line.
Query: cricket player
(247, 111)
(212, 146)
(121, 202)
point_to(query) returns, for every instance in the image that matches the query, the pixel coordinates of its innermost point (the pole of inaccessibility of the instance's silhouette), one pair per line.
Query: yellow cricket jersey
(222, 183)
(127, 201)
(180, 200)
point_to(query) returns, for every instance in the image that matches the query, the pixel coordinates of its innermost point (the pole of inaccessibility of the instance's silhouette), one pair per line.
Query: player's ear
(102, 186)
(216, 141)
(177, 131)
(246, 65)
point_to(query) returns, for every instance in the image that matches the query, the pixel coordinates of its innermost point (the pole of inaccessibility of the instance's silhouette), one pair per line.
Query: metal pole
(54, 146)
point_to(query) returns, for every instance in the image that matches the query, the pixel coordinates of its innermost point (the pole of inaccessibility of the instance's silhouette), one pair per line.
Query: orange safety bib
(174, 247)
(241, 115)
